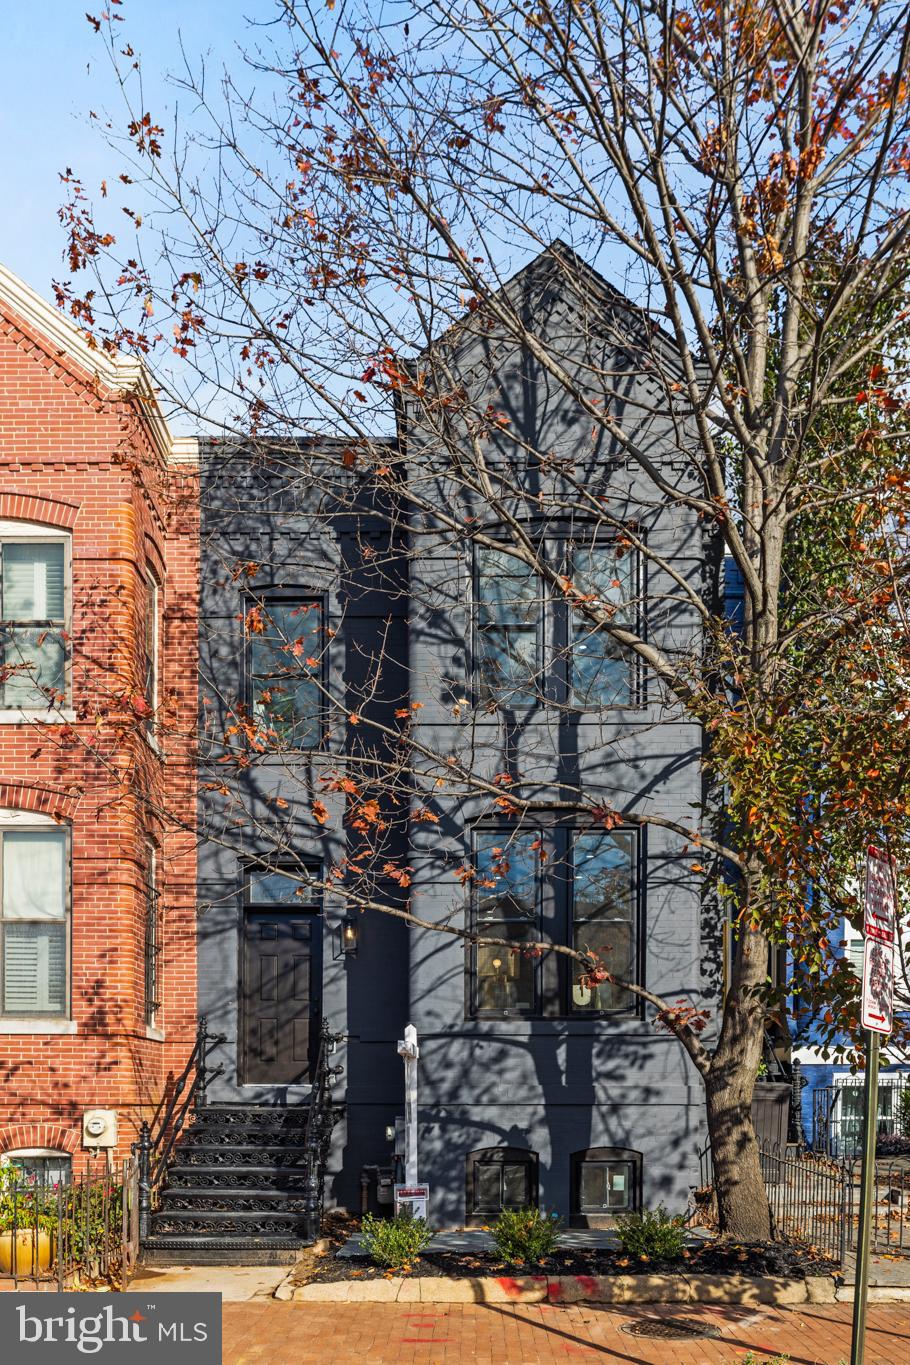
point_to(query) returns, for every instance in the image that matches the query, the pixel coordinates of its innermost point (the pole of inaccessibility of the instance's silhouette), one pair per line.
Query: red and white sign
(879, 927)
(413, 1200)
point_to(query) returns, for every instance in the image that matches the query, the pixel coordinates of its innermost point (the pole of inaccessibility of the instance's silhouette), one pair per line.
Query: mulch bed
(787, 1260)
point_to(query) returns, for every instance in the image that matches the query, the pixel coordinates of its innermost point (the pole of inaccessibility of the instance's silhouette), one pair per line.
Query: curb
(876, 1293)
(567, 1289)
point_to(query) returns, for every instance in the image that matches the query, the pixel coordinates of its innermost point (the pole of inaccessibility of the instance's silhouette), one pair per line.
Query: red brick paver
(488, 1334)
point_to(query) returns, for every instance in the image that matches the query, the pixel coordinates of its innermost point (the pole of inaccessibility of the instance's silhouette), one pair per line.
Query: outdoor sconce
(348, 937)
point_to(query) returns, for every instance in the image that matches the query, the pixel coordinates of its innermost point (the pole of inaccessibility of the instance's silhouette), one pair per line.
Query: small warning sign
(879, 921)
(412, 1200)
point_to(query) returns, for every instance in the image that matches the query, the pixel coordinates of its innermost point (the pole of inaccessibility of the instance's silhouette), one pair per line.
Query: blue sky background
(53, 70)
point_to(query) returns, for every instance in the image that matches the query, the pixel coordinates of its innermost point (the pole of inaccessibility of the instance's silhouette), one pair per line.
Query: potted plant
(27, 1225)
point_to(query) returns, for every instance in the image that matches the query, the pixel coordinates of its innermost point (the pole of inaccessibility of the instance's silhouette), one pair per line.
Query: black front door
(280, 1003)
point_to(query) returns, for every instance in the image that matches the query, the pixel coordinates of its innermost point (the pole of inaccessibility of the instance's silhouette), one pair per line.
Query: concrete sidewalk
(235, 1283)
(493, 1334)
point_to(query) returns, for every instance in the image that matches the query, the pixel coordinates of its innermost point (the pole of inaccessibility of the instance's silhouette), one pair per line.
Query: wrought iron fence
(808, 1194)
(890, 1208)
(837, 1113)
(814, 1198)
(82, 1231)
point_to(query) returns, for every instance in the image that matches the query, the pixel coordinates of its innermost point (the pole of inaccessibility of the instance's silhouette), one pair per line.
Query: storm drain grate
(670, 1329)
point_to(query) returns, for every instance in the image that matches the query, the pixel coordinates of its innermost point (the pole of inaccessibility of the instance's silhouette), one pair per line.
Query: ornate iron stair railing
(321, 1119)
(158, 1136)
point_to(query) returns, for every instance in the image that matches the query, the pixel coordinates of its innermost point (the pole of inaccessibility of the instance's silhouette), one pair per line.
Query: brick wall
(76, 454)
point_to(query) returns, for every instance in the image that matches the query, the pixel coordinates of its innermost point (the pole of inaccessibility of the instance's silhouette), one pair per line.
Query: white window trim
(10, 716)
(34, 1151)
(152, 1028)
(150, 581)
(25, 531)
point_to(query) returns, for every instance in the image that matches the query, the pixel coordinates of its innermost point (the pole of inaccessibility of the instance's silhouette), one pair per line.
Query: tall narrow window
(150, 649)
(604, 916)
(34, 869)
(33, 609)
(508, 907)
(508, 637)
(152, 945)
(285, 670)
(602, 672)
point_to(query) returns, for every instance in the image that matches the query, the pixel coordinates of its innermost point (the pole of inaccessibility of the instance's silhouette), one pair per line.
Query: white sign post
(411, 1196)
(879, 925)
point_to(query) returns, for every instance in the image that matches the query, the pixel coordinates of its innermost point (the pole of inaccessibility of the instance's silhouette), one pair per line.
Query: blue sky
(53, 70)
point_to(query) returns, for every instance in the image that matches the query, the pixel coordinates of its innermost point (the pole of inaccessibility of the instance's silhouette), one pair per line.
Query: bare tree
(332, 234)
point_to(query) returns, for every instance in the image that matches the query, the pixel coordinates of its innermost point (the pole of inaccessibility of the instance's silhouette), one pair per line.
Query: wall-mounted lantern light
(348, 936)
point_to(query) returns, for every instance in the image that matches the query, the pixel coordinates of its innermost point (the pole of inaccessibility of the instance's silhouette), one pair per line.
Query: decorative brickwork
(83, 453)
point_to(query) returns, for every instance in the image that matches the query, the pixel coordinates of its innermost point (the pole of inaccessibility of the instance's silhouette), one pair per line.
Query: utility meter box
(99, 1128)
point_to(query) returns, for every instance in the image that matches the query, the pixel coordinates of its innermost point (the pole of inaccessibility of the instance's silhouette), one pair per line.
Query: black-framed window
(602, 888)
(604, 1181)
(601, 672)
(531, 642)
(34, 621)
(509, 628)
(508, 907)
(34, 924)
(152, 941)
(577, 887)
(498, 1178)
(295, 889)
(285, 669)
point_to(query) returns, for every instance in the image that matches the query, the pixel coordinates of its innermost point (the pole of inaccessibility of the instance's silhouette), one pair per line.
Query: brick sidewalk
(395, 1334)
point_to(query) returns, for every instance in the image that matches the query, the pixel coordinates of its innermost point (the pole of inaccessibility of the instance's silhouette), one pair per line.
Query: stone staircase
(236, 1190)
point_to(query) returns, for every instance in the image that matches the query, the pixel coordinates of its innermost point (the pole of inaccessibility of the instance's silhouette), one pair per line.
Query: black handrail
(157, 1138)
(321, 1119)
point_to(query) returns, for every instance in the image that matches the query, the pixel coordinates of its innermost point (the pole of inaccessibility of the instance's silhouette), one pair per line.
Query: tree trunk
(742, 1202)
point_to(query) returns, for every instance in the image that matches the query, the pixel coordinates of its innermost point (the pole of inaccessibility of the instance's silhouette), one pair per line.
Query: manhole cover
(670, 1329)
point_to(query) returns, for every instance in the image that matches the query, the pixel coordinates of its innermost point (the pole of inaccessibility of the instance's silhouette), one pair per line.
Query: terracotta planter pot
(33, 1251)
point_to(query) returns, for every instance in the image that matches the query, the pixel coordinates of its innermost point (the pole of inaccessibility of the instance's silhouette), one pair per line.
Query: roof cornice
(119, 374)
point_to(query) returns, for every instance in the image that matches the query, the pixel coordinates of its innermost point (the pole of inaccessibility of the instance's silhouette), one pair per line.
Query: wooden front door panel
(280, 996)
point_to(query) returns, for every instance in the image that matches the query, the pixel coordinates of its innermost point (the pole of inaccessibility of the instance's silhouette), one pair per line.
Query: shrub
(903, 1112)
(525, 1235)
(890, 1144)
(24, 1204)
(394, 1242)
(653, 1233)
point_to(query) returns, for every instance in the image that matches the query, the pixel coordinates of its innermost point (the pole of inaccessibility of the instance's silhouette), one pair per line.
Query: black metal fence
(79, 1232)
(837, 1113)
(814, 1198)
(890, 1214)
(807, 1194)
